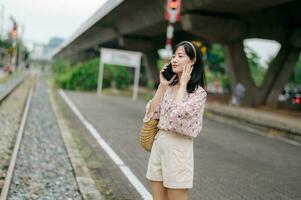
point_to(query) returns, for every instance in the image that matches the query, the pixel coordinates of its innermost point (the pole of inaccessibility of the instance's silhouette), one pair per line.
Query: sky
(43, 19)
(264, 48)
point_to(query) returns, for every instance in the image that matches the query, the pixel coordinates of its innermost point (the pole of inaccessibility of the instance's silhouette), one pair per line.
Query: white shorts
(171, 160)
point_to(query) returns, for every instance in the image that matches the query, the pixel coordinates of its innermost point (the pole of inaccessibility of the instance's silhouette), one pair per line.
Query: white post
(122, 58)
(100, 77)
(136, 83)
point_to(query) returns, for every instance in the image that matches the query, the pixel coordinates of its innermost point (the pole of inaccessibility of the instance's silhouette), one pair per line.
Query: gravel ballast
(43, 169)
(11, 110)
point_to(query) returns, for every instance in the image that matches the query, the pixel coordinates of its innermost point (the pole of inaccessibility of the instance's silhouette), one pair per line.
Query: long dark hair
(198, 73)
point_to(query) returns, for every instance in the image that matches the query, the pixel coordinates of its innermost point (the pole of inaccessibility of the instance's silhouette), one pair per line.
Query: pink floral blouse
(183, 117)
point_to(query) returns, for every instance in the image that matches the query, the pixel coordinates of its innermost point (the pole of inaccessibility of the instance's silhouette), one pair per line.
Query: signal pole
(20, 64)
(13, 35)
(2, 21)
(172, 15)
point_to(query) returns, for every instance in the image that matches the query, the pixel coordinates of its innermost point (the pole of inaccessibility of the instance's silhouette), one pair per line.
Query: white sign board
(123, 58)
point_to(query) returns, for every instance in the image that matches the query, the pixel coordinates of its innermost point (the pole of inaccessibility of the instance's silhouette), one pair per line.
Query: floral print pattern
(185, 117)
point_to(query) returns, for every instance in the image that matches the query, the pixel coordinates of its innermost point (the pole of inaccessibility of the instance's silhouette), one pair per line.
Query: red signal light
(14, 30)
(173, 5)
(173, 10)
(14, 33)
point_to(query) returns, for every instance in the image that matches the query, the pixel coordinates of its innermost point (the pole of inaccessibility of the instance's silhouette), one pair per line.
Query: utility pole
(13, 34)
(20, 51)
(2, 21)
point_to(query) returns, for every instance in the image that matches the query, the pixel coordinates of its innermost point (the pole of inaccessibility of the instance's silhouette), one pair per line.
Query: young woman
(179, 106)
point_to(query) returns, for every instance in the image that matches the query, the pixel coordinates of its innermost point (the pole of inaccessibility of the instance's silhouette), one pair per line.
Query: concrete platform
(230, 162)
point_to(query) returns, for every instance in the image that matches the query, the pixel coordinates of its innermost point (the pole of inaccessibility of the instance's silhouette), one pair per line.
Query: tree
(216, 59)
(257, 70)
(296, 78)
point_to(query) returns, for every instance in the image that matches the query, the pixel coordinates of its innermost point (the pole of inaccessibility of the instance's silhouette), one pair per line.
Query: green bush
(81, 76)
(84, 76)
(61, 66)
(121, 75)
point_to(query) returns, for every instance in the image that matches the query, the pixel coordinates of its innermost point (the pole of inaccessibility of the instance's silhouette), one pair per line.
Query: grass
(4, 78)
(143, 92)
(7, 77)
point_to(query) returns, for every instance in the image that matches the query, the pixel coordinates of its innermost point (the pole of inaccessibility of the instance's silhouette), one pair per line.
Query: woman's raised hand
(186, 74)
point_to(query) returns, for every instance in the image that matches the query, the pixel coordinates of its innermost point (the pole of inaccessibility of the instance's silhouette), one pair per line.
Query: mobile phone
(168, 73)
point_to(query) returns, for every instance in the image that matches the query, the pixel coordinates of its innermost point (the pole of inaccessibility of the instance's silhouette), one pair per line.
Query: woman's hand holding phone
(163, 80)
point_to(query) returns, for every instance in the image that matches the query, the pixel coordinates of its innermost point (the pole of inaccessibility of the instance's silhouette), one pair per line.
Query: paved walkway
(288, 122)
(230, 163)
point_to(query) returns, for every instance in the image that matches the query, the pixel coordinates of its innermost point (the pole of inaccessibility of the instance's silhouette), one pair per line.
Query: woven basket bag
(148, 133)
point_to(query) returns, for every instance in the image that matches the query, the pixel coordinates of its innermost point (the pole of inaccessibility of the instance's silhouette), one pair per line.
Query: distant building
(40, 56)
(43, 51)
(52, 44)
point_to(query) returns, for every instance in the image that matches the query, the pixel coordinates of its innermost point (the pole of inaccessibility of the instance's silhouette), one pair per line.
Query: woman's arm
(155, 102)
(186, 117)
(185, 77)
(157, 98)
(153, 106)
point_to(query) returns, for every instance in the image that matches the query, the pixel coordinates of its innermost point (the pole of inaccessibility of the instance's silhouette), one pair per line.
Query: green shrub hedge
(84, 76)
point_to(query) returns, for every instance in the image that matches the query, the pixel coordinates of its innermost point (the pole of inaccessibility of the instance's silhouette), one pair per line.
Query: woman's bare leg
(177, 194)
(159, 192)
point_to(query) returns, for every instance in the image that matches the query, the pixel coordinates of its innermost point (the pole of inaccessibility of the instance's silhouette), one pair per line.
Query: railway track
(11, 167)
(10, 89)
(39, 166)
